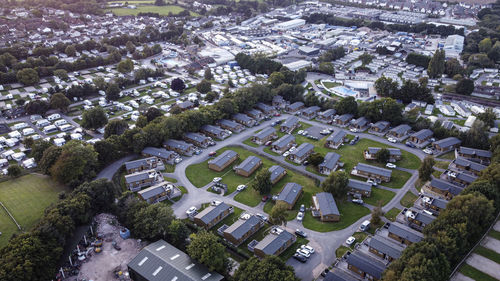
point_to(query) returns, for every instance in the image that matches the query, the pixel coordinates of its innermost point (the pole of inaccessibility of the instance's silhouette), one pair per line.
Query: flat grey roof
(405, 232)
(242, 227)
(248, 164)
(223, 158)
(290, 192)
(448, 142)
(272, 242)
(366, 264)
(211, 212)
(373, 170)
(361, 185)
(327, 204)
(385, 246)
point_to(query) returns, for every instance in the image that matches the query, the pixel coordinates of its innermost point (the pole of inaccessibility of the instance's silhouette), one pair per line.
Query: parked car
(262, 217)
(410, 144)
(300, 233)
(393, 140)
(300, 132)
(303, 252)
(286, 153)
(305, 163)
(277, 114)
(428, 151)
(217, 179)
(302, 208)
(390, 166)
(268, 143)
(241, 187)
(372, 182)
(308, 248)
(350, 241)
(325, 132)
(354, 130)
(357, 201)
(191, 210)
(300, 216)
(212, 153)
(265, 198)
(299, 257)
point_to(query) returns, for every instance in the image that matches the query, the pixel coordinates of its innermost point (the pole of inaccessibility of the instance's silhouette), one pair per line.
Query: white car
(300, 216)
(191, 211)
(393, 140)
(325, 132)
(307, 248)
(216, 179)
(300, 132)
(286, 153)
(372, 182)
(305, 133)
(390, 166)
(303, 253)
(350, 241)
(428, 151)
(292, 149)
(241, 187)
(354, 130)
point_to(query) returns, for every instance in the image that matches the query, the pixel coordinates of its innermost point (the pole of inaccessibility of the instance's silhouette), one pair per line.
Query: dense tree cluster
(258, 63)
(418, 59)
(409, 91)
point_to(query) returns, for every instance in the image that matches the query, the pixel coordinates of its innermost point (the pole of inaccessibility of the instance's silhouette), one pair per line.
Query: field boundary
(10, 215)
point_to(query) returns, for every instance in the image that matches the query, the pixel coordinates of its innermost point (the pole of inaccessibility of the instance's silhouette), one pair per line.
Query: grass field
(382, 195)
(26, 198)
(162, 10)
(408, 199)
(341, 251)
(487, 253)
(475, 274)
(391, 215)
(450, 155)
(349, 213)
(495, 234)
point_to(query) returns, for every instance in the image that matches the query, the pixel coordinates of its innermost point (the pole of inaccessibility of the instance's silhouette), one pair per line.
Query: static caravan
(53, 117)
(28, 131)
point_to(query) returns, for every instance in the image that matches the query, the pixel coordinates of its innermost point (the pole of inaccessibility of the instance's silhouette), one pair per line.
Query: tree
(488, 117)
(278, 215)
(347, 105)
(70, 50)
(211, 96)
(125, 66)
(476, 136)
(453, 67)
(418, 59)
(276, 79)
(61, 73)
(436, 64)
(377, 214)
(14, 171)
(204, 86)
(315, 159)
(152, 222)
(152, 113)
(383, 155)
(386, 87)
(59, 101)
(115, 127)
(177, 232)
(336, 184)
(426, 169)
(130, 47)
(271, 268)
(178, 85)
(485, 45)
(49, 157)
(326, 67)
(486, 188)
(112, 92)
(37, 107)
(20, 101)
(262, 182)
(159, 2)
(94, 118)
(75, 163)
(465, 87)
(208, 74)
(206, 249)
(27, 76)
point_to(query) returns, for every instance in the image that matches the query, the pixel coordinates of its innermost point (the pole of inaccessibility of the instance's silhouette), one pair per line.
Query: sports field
(162, 10)
(26, 198)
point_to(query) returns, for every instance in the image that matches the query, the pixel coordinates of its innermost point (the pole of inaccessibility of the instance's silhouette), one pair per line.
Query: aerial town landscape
(249, 140)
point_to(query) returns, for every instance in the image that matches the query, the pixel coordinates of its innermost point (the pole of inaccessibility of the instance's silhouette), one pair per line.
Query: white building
(296, 65)
(453, 46)
(290, 24)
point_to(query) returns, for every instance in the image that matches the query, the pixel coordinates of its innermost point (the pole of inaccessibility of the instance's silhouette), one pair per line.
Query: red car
(277, 114)
(265, 198)
(213, 153)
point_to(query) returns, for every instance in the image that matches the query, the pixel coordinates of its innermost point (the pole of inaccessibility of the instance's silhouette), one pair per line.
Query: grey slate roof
(337, 137)
(385, 246)
(276, 171)
(254, 112)
(381, 125)
(345, 117)
(264, 107)
(272, 242)
(471, 152)
(179, 144)
(196, 137)
(406, 232)
(154, 190)
(466, 177)
(241, 227)
(296, 105)
(422, 134)
(446, 186)
(284, 141)
(338, 275)
(327, 204)
(222, 159)
(290, 192)
(311, 110)
(290, 122)
(161, 261)
(401, 129)
(361, 185)
(142, 175)
(229, 123)
(265, 133)
(366, 264)
(392, 151)
(330, 161)
(248, 164)
(373, 170)
(361, 122)
(303, 149)
(424, 218)
(138, 163)
(328, 113)
(440, 203)
(213, 129)
(158, 152)
(447, 142)
(242, 117)
(211, 212)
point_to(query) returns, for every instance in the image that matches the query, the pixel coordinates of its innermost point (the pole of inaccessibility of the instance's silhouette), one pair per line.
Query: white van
(365, 225)
(53, 117)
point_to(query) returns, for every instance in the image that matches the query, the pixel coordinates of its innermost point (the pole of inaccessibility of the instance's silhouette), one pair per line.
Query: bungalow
(380, 126)
(371, 153)
(248, 166)
(244, 119)
(290, 124)
(212, 215)
(325, 207)
(371, 172)
(360, 124)
(294, 107)
(400, 131)
(277, 173)
(156, 193)
(343, 120)
(446, 144)
(473, 154)
(384, 248)
(161, 153)
(301, 153)
(266, 109)
(214, 132)
(418, 218)
(185, 105)
(242, 229)
(327, 115)
(448, 125)
(462, 164)
(461, 178)
(138, 180)
(365, 266)
(231, 125)
(310, 112)
(444, 188)
(330, 163)
(265, 135)
(255, 114)
(278, 102)
(434, 205)
(275, 243)
(336, 139)
(283, 144)
(222, 161)
(141, 164)
(421, 137)
(404, 234)
(181, 147)
(197, 139)
(289, 194)
(360, 187)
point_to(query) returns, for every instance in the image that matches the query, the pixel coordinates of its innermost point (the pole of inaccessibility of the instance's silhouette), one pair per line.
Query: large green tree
(464, 87)
(279, 212)
(115, 127)
(94, 118)
(125, 66)
(206, 248)
(177, 232)
(262, 182)
(204, 86)
(59, 101)
(271, 268)
(426, 169)
(386, 87)
(347, 105)
(28, 76)
(436, 64)
(76, 163)
(152, 222)
(336, 184)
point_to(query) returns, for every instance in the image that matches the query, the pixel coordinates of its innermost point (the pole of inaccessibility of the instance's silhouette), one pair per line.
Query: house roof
(330, 161)
(229, 123)
(290, 122)
(424, 218)
(373, 170)
(222, 159)
(265, 133)
(381, 125)
(296, 105)
(303, 149)
(254, 112)
(360, 185)
(211, 212)
(139, 163)
(185, 104)
(361, 121)
(446, 186)
(179, 144)
(405, 232)
(448, 125)
(272, 242)
(468, 178)
(153, 190)
(160, 261)
(328, 113)
(242, 117)
(366, 264)
(338, 275)
(447, 142)
(422, 134)
(440, 203)
(385, 246)
(471, 152)
(401, 129)
(158, 152)
(392, 151)
(345, 117)
(242, 227)
(213, 129)
(290, 192)
(248, 164)
(278, 99)
(264, 107)
(276, 171)
(142, 175)
(195, 137)
(326, 204)
(337, 136)
(283, 141)
(311, 110)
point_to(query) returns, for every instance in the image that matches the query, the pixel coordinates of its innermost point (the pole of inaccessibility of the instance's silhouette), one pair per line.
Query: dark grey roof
(185, 104)
(381, 125)
(446, 186)
(361, 185)
(222, 159)
(241, 227)
(328, 113)
(366, 264)
(422, 134)
(248, 164)
(229, 123)
(385, 246)
(303, 149)
(276, 171)
(254, 112)
(338, 275)
(471, 152)
(373, 170)
(296, 105)
(179, 144)
(196, 137)
(468, 178)
(278, 99)
(392, 151)
(345, 117)
(158, 152)
(330, 161)
(284, 141)
(265, 133)
(327, 204)
(424, 218)
(272, 242)
(448, 125)
(242, 117)
(311, 109)
(154, 190)
(290, 192)
(142, 175)
(211, 212)
(213, 129)
(447, 142)
(361, 121)
(161, 261)
(405, 232)
(440, 203)
(401, 129)
(264, 107)
(138, 163)
(336, 137)
(290, 122)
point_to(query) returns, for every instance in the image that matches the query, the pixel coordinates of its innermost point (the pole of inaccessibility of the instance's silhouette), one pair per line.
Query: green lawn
(26, 198)
(360, 236)
(408, 199)
(449, 155)
(341, 251)
(436, 173)
(442, 164)
(291, 214)
(162, 10)
(475, 274)
(379, 194)
(487, 253)
(330, 85)
(349, 213)
(250, 143)
(495, 234)
(391, 215)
